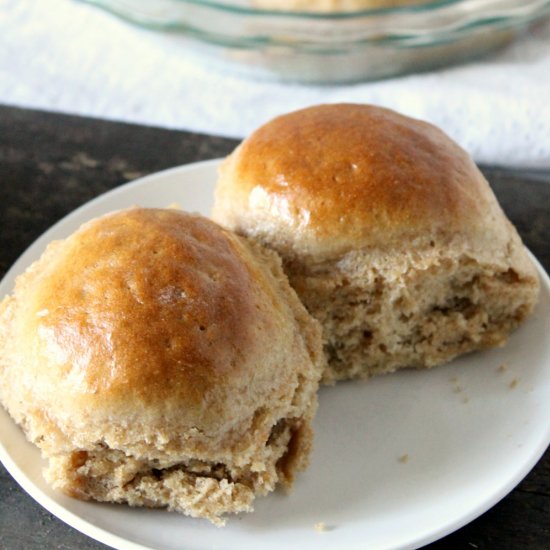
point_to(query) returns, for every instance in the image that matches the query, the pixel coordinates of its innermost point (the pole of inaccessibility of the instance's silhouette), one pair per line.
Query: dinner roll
(389, 233)
(159, 360)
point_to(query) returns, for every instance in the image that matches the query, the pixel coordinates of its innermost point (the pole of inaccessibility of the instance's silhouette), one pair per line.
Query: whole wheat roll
(389, 233)
(159, 360)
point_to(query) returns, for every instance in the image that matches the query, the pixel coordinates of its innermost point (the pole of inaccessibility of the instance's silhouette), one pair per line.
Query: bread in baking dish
(335, 6)
(389, 233)
(159, 360)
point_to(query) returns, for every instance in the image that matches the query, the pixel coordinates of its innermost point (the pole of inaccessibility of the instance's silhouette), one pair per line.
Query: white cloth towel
(67, 56)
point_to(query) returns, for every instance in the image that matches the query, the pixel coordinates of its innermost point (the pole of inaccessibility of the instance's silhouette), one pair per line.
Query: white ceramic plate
(470, 431)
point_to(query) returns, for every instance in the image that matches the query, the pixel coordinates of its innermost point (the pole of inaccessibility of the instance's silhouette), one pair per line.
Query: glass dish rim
(258, 12)
(503, 20)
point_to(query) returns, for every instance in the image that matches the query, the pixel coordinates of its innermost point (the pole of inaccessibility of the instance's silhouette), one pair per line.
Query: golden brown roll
(159, 360)
(389, 233)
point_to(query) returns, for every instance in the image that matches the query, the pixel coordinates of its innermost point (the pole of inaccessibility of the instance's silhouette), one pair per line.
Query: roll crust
(342, 177)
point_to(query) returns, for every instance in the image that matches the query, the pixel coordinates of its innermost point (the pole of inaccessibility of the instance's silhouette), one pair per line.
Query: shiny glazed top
(145, 297)
(331, 178)
(153, 315)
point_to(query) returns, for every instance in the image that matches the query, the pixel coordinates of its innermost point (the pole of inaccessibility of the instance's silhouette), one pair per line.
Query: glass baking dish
(336, 47)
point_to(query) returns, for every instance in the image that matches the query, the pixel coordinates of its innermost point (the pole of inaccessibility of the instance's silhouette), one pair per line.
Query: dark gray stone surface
(51, 163)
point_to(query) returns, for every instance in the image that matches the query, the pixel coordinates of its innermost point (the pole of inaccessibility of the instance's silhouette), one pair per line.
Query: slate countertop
(52, 163)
